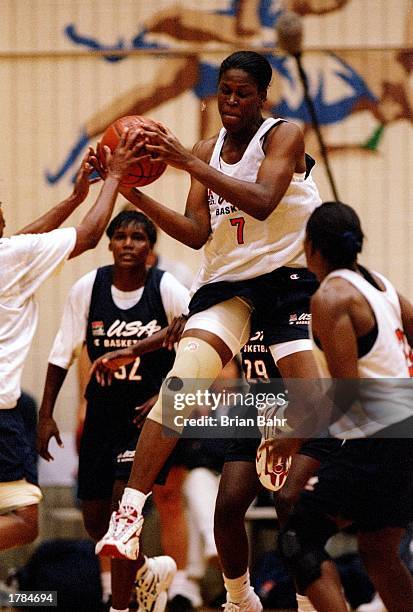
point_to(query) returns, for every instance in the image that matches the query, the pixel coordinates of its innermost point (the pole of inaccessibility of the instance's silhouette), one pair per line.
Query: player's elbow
(85, 240)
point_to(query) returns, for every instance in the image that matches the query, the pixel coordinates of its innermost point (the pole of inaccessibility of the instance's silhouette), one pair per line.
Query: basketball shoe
(152, 582)
(251, 604)
(122, 538)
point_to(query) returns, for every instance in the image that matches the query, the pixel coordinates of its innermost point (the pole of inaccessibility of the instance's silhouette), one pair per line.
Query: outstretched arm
(59, 213)
(92, 226)
(191, 228)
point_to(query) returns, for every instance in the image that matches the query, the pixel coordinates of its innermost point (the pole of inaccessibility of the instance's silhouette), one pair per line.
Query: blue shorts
(368, 481)
(18, 456)
(280, 299)
(107, 450)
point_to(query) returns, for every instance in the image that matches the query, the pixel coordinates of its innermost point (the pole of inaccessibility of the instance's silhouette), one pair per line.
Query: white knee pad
(18, 494)
(229, 320)
(197, 365)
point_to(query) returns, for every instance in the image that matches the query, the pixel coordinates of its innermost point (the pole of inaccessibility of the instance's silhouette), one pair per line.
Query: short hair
(132, 217)
(255, 64)
(334, 229)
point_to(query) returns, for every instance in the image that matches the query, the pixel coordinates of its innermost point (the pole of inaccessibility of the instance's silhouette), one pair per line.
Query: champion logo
(294, 276)
(302, 319)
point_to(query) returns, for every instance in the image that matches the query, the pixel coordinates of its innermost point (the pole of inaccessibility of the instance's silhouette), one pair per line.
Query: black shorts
(18, 456)
(368, 481)
(281, 301)
(107, 450)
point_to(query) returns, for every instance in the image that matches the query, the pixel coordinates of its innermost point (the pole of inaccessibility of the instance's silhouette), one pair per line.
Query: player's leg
(170, 503)
(19, 491)
(380, 553)
(210, 340)
(238, 488)
(19, 527)
(301, 543)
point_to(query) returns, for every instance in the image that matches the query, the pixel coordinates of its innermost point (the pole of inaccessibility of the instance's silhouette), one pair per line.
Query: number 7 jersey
(241, 247)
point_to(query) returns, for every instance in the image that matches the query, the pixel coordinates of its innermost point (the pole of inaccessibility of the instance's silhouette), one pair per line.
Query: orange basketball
(142, 172)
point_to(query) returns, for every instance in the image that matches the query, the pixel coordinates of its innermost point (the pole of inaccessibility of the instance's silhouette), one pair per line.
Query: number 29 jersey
(241, 247)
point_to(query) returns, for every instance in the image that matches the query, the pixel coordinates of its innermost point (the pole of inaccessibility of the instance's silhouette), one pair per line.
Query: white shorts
(229, 320)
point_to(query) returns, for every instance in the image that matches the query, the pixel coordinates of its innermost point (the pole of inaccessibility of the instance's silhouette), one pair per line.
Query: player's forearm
(174, 224)
(92, 226)
(55, 378)
(255, 199)
(53, 218)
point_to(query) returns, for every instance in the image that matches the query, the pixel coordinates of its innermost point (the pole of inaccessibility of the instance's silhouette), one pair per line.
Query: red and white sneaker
(122, 538)
(272, 471)
(152, 583)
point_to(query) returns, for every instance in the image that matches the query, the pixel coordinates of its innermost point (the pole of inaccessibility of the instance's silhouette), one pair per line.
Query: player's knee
(227, 505)
(197, 365)
(304, 561)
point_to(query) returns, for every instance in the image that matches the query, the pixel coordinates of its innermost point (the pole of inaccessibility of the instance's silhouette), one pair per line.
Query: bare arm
(59, 213)
(92, 226)
(47, 427)
(284, 153)
(191, 228)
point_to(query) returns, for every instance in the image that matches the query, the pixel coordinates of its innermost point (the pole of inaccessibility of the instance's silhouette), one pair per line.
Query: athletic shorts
(368, 481)
(18, 456)
(245, 449)
(281, 301)
(107, 450)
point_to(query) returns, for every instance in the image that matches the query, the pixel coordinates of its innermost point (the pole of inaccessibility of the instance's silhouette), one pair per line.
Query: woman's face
(239, 100)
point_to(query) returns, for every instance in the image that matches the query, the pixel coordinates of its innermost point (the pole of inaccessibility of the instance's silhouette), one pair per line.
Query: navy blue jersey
(110, 328)
(257, 362)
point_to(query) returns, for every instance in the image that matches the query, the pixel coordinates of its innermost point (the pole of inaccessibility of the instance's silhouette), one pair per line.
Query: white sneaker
(272, 471)
(376, 605)
(251, 604)
(122, 538)
(152, 583)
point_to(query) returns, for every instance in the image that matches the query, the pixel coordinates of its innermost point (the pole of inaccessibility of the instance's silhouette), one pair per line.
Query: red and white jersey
(241, 247)
(385, 402)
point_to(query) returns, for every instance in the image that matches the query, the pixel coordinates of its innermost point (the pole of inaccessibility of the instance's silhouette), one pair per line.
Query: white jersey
(385, 402)
(26, 260)
(72, 332)
(241, 247)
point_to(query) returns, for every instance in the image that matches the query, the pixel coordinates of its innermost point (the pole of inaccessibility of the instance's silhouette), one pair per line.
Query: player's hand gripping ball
(144, 171)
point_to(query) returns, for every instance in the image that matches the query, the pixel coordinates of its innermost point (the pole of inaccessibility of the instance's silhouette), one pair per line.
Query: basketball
(144, 171)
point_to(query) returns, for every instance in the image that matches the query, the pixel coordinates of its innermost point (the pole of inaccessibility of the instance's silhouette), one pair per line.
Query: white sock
(304, 604)
(238, 589)
(117, 610)
(105, 580)
(135, 498)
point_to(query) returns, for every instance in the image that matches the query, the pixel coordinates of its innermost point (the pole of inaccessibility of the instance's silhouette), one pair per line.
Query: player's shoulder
(84, 281)
(285, 130)
(334, 297)
(203, 148)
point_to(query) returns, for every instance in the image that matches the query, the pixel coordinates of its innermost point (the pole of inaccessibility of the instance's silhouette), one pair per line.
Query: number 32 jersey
(93, 314)
(241, 247)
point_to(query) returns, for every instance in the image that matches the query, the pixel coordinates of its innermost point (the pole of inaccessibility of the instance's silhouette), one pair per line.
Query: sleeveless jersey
(110, 328)
(241, 247)
(382, 402)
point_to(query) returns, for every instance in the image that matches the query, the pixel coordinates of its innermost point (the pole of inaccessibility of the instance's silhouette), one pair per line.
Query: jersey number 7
(239, 223)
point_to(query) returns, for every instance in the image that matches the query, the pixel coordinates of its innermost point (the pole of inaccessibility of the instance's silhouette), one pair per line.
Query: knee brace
(302, 548)
(197, 365)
